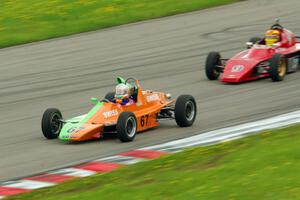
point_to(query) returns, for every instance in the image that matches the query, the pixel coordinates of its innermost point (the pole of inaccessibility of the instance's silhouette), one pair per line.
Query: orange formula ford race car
(110, 117)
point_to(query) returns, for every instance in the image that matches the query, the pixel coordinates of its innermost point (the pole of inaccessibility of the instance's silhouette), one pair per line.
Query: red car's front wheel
(213, 60)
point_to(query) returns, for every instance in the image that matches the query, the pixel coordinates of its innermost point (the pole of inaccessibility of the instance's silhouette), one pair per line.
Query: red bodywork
(242, 67)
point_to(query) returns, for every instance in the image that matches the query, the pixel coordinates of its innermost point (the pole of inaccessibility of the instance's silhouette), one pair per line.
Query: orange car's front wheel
(126, 126)
(51, 123)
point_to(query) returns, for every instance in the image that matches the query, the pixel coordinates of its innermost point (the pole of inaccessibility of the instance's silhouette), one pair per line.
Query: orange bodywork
(145, 109)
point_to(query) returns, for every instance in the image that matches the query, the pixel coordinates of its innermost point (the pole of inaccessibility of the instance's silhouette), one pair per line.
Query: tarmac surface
(166, 54)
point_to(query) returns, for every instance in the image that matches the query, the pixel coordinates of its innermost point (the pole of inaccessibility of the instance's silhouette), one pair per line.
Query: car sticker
(75, 129)
(237, 68)
(153, 97)
(110, 113)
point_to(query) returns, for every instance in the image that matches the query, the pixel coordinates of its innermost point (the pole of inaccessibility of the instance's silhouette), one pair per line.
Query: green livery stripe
(91, 113)
(65, 132)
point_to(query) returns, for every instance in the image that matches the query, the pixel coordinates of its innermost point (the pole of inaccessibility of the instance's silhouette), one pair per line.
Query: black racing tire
(110, 96)
(51, 123)
(126, 126)
(278, 67)
(109, 132)
(185, 110)
(299, 62)
(213, 59)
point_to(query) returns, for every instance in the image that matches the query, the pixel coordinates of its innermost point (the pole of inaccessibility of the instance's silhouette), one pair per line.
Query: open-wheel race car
(111, 117)
(275, 55)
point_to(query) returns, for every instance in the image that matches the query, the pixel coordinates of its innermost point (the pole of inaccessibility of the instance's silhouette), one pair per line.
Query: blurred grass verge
(264, 166)
(24, 21)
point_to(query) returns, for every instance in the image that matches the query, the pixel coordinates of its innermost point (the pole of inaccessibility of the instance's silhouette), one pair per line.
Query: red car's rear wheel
(278, 67)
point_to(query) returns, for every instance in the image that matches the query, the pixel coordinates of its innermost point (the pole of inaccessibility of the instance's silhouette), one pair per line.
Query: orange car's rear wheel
(185, 110)
(126, 127)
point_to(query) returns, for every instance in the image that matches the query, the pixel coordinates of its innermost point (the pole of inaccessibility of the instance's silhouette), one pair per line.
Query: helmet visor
(272, 37)
(120, 91)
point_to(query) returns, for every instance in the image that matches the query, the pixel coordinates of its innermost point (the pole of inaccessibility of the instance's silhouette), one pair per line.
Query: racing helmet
(122, 92)
(272, 37)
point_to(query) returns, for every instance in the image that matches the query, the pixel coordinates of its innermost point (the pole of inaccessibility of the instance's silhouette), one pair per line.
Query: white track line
(27, 184)
(124, 160)
(73, 172)
(229, 133)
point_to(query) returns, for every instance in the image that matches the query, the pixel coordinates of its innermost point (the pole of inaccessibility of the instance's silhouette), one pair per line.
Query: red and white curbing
(114, 162)
(55, 177)
(73, 172)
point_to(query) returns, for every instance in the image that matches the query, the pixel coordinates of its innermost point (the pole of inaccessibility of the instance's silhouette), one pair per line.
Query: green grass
(264, 166)
(23, 21)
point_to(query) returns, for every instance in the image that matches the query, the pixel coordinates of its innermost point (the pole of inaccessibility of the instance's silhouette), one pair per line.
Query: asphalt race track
(166, 54)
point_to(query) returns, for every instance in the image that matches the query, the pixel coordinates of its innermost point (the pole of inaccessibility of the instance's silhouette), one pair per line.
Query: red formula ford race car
(124, 112)
(273, 56)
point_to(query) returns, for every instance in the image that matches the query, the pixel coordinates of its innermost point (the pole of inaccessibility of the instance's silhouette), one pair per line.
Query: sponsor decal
(153, 97)
(69, 136)
(110, 113)
(257, 46)
(237, 68)
(75, 129)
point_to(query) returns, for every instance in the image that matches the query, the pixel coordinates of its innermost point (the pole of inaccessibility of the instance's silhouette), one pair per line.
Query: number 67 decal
(144, 120)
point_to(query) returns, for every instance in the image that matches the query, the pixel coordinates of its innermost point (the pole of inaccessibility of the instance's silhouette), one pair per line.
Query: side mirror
(168, 96)
(94, 100)
(249, 45)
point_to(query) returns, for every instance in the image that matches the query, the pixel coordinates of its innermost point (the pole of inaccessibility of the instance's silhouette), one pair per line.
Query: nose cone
(238, 70)
(67, 130)
(231, 78)
(234, 73)
(80, 133)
